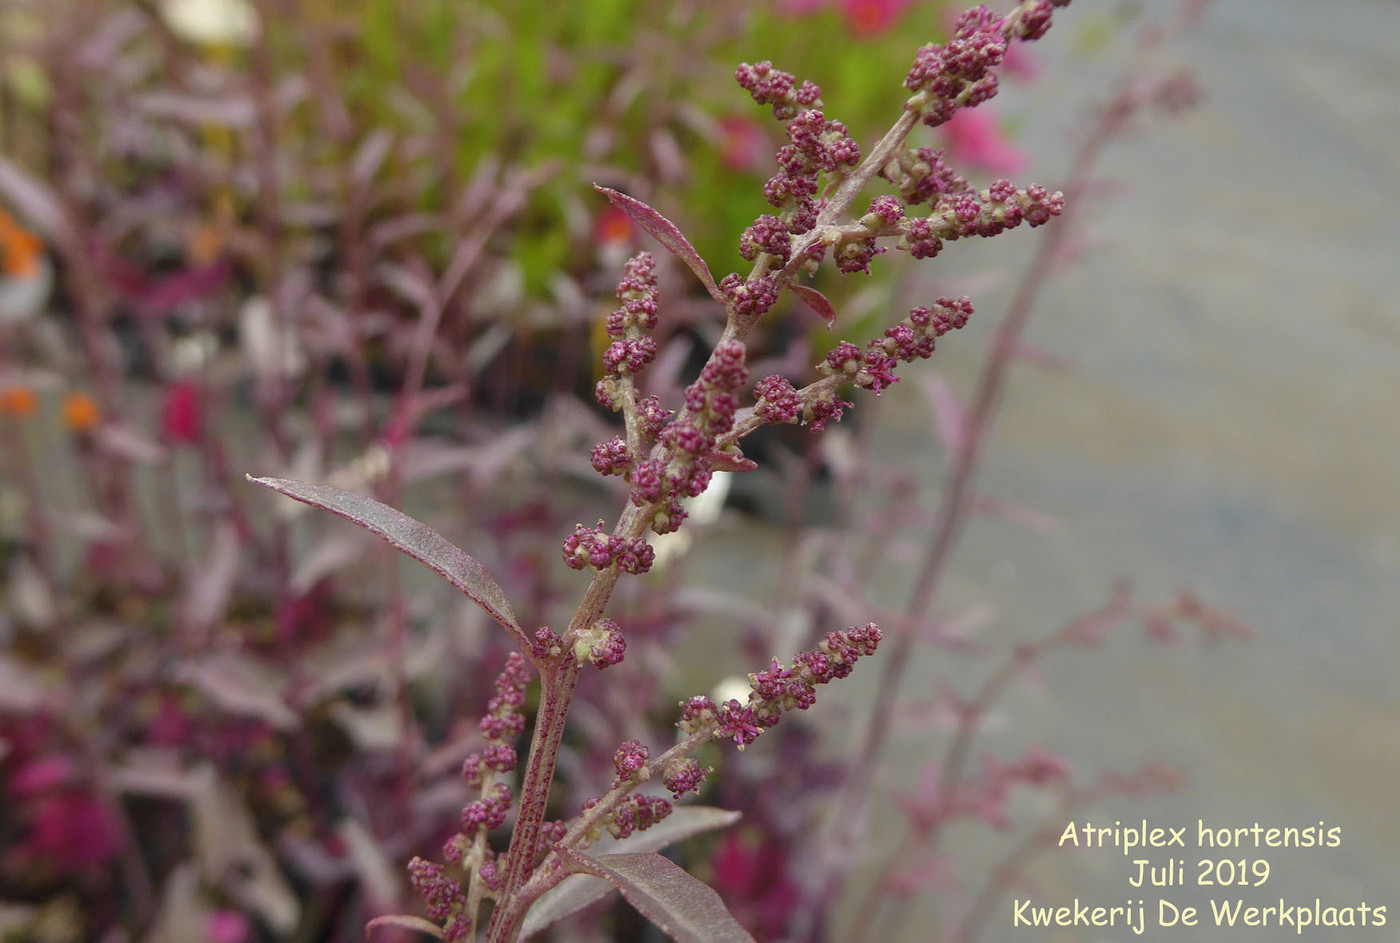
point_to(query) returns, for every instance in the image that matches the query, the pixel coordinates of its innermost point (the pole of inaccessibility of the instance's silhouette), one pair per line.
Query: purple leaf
(1028, 518)
(211, 584)
(236, 684)
(225, 110)
(412, 537)
(160, 297)
(686, 909)
(817, 302)
(666, 233)
(730, 461)
(949, 416)
(405, 922)
(1043, 358)
(369, 157)
(33, 199)
(578, 891)
(126, 442)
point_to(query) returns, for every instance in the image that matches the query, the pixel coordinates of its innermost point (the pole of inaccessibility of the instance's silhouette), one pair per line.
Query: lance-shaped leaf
(817, 302)
(950, 417)
(578, 891)
(666, 233)
(683, 907)
(405, 922)
(734, 461)
(411, 536)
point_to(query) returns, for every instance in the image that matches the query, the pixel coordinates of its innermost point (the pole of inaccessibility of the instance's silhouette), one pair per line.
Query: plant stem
(558, 681)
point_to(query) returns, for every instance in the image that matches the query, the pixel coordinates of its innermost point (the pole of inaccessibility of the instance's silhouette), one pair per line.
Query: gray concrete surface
(1231, 425)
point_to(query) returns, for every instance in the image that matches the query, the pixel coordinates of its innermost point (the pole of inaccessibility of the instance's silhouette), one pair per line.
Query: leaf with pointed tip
(35, 200)
(406, 922)
(817, 302)
(730, 461)
(683, 907)
(412, 537)
(949, 416)
(578, 891)
(1043, 358)
(1028, 518)
(370, 156)
(666, 233)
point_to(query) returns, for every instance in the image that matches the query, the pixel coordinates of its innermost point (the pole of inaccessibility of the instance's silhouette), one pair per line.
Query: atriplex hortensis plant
(667, 455)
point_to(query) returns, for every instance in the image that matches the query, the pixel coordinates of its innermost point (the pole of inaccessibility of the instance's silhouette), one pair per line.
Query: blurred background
(1226, 423)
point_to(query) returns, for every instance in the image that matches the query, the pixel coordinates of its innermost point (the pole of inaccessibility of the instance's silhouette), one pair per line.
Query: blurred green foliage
(604, 84)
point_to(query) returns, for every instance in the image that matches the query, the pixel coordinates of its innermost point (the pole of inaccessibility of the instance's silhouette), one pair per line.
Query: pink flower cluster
(629, 760)
(446, 901)
(910, 339)
(635, 813)
(504, 720)
(502, 724)
(591, 548)
(923, 175)
(685, 467)
(638, 813)
(770, 86)
(987, 213)
(778, 689)
(815, 146)
(611, 649)
(632, 348)
(487, 813)
(959, 74)
(684, 775)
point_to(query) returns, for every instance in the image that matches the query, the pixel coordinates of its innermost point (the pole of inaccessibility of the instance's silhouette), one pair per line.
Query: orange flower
(18, 401)
(613, 227)
(20, 249)
(80, 412)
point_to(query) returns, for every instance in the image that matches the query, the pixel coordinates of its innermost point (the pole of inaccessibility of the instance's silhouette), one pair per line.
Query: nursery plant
(669, 452)
(222, 720)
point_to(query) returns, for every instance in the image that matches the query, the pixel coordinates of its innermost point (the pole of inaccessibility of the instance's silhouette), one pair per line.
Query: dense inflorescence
(778, 689)
(666, 457)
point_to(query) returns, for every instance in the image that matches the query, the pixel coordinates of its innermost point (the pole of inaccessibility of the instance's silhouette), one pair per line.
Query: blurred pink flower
(742, 144)
(801, 7)
(70, 831)
(612, 227)
(871, 17)
(171, 726)
(227, 926)
(1020, 63)
(181, 415)
(752, 877)
(41, 775)
(973, 138)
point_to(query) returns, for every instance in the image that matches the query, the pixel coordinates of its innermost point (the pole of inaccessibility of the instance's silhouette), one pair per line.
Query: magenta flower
(867, 18)
(70, 831)
(754, 879)
(742, 143)
(42, 775)
(973, 138)
(181, 417)
(227, 926)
